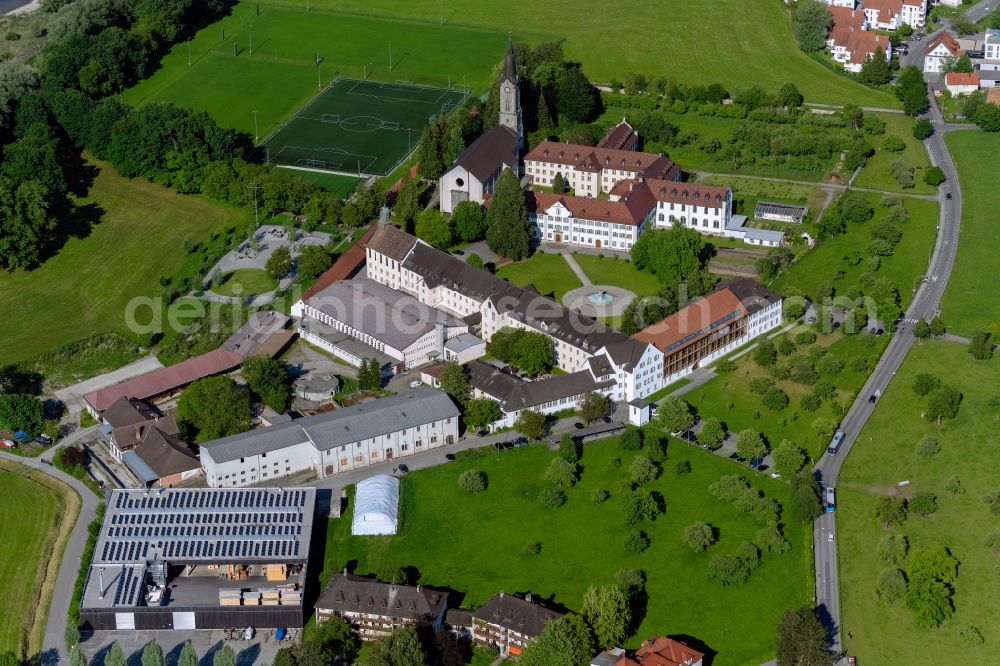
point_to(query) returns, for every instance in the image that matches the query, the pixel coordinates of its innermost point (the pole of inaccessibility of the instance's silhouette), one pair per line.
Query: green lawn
(884, 455)
(340, 185)
(548, 272)
(728, 396)
(281, 75)
(735, 42)
(969, 303)
(876, 173)
(618, 273)
(748, 191)
(85, 288)
(473, 544)
(907, 263)
(246, 282)
(30, 525)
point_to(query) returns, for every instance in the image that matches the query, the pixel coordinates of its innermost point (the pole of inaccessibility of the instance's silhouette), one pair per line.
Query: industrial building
(174, 558)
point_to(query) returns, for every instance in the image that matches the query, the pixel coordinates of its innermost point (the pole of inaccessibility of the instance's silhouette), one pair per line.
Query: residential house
(961, 83)
(737, 311)
(475, 172)
(940, 52)
(662, 651)
(991, 45)
(375, 609)
(850, 43)
(333, 442)
(586, 222)
(890, 14)
(509, 622)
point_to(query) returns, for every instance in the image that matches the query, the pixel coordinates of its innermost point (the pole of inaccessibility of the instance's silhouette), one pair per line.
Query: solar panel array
(207, 526)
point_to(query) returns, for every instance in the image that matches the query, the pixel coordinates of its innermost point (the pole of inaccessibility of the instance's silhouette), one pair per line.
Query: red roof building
(663, 651)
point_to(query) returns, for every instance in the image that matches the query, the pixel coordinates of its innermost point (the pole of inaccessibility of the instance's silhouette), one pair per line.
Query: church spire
(509, 65)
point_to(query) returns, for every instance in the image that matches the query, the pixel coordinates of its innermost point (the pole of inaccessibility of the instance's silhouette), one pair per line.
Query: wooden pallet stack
(230, 597)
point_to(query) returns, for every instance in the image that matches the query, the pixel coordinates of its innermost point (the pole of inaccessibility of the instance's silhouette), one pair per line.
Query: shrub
(683, 467)
(824, 389)
(831, 364)
(805, 338)
(923, 502)
(775, 399)
(725, 365)
(902, 171)
(599, 495)
(532, 548)
(922, 129)
(760, 385)
(954, 486)
(635, 542)
(934, 176)
(925, 382)
(765, 354)
(893, 144)
(771, 539)
(892, 548)
(727, 570)
(970, 637)
(472, 481)
(551, 497)
(643, 470)
(656, 449)
(631, 439)
(891, 585)
(810, 402)
(928, 446)
(699, 536)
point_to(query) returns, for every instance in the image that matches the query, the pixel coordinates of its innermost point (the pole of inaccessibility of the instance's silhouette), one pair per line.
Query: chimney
(527, 597)
(501, 594)
(138, 433)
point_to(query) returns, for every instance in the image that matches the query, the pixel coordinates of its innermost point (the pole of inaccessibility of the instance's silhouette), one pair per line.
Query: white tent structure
(376, 505)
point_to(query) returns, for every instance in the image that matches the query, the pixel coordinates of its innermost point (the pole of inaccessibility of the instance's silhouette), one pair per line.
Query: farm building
(200, 559)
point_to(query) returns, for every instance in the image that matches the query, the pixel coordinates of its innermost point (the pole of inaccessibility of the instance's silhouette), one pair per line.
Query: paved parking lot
(260, 650)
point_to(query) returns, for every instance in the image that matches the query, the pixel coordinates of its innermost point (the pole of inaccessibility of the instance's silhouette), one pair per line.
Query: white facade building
(332, 442)
(587, 222)
(890, 14)
(592, 171)
(940, 52)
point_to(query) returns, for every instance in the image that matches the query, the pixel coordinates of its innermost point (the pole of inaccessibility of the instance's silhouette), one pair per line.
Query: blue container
(279, 633)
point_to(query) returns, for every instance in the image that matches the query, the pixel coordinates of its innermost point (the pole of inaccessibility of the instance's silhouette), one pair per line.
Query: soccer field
(254, 68)
(363, 127)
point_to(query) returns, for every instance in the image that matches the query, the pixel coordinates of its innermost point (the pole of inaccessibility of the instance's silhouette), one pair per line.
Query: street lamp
(255, 135)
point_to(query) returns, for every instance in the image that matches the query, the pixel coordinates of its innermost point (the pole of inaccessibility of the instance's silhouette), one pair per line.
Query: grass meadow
(907, 263)
(473, 544)
(548, 271)
(735, 42)
(32, 522)
(619, 273)
(334, 183)
(970, 301)
(280, 76)
(245, 282)
(885, 454)
(85, 288)
(728, 396)
(876, 174)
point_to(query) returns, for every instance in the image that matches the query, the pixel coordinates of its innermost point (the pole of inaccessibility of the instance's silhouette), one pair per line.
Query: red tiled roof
(620, 137)
(696, 317)
(844, 22)
(585, 158)
(345, 265)
(962, 79)
(662, 651)
(713, 196)
(993, 96)
(949, 42)
(164, 380)
(630, 209)
(863, 43)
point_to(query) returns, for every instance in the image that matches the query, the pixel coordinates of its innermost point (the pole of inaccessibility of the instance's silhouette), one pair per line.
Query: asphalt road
(925, 305)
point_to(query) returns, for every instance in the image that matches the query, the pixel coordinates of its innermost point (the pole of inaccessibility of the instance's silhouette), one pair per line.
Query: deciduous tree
(434, 228)
(801, 639)
(469, 220)
(593, 406)
(699, 536)
(563, 642)
(213, 407)
(400, 648)
(269, 380)
(481, 412)
(455, 382)
(530, 423)
(606, 609)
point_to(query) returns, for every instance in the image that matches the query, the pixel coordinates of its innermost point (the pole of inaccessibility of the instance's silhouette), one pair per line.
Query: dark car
(449, 457)
(880, 331)
(948, 196)
(458, 253)
(579, 426)
(521, 441)
(44, 440)
(737, 457)
(872, 399)
(400, 469)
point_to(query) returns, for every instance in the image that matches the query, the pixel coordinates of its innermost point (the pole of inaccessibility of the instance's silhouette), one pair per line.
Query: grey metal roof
(462, 342)
(764, 234)
(379, 417)
(255, 442)
(394, 318)
(767, 209)
(344, 341)
(139, 467)
(515, 394)
(346, 593)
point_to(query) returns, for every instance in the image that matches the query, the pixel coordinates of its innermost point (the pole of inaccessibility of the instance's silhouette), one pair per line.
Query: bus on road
(835, 443)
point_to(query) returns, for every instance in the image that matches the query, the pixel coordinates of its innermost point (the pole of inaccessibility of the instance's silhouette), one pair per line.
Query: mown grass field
(331, 182)
(735, 42)
(281, 73)
(473, 544)
(728, 396)
(28, 531)
(619, 273)
(885, 454)
(246, 281)
(85, 288)
(907, 263)
(970, 301)
(748, 191)
(876, 174)
(549, 272)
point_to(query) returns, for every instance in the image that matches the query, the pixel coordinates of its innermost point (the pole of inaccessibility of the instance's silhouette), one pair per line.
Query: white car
(415, 383)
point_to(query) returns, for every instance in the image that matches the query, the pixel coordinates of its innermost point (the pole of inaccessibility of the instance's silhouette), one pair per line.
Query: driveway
(72, 396)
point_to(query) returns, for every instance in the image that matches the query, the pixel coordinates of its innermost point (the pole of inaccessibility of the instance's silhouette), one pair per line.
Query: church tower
(510, 95)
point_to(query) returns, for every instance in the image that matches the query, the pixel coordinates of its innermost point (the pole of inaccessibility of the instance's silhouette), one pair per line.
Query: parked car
(8, 443)
(43, 439)
(415, 383)
(521, 441)
(579, 426)
(400, 470)
(458, 253)
(449, 457)
(829, 537)
(948, 196)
